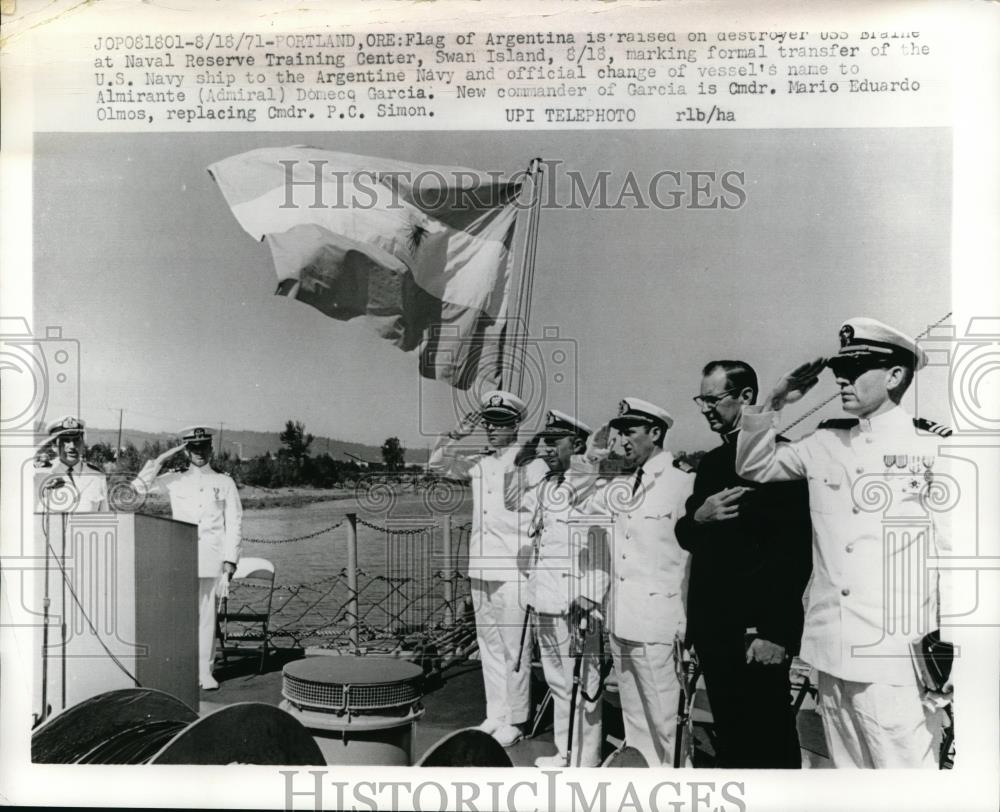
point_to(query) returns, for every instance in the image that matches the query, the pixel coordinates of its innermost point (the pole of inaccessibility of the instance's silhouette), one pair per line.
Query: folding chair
(257, 571)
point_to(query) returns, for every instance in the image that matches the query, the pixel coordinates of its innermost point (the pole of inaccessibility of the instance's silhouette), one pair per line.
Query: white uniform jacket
(571, 556)
(85, 490)
(208, 499)
(500, 519)
(873, 588)
(646, 602)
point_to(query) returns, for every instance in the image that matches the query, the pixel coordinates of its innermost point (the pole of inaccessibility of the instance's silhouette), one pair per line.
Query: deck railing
(416, 601)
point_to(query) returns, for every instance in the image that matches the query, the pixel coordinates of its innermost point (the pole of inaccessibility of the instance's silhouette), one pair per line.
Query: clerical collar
(730, 436)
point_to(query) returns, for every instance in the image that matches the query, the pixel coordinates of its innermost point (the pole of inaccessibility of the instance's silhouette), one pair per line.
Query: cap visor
(500, 416)
(619, 423)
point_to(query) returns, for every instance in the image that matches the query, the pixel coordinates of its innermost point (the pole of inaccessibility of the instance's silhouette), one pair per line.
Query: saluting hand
(601, 437)
(793, 386)
(721, 506)
(466, 426)
(529, 451)
(166, 455)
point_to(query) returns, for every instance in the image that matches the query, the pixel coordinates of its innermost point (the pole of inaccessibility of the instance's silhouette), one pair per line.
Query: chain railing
(294, 539)
(419, 602)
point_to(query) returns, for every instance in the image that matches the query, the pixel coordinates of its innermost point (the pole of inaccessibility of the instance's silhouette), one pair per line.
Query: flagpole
(521, 282)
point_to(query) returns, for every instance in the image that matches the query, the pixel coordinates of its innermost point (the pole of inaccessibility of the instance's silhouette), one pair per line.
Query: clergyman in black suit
(751, 558)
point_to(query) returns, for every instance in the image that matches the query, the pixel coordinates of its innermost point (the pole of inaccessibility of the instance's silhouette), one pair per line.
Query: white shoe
(551, 761)
(508, 735)
(490, 726)
(208, 683)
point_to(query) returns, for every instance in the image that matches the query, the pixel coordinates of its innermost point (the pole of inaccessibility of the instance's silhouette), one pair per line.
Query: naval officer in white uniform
(210, 500)
(646, 601)
(568, 582)
(71, 485)
(872, 593)
(500, 525)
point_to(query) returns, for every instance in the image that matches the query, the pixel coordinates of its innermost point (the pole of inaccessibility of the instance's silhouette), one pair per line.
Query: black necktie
(638, 481)
(69, 473)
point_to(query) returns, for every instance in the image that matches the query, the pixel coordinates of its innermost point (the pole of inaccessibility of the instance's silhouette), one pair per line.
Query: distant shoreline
(254, 498)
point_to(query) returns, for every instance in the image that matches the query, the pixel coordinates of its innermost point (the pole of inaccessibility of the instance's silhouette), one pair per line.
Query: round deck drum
(360, 710)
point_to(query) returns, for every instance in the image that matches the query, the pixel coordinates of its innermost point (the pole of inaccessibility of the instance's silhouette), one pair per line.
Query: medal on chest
(920, 469)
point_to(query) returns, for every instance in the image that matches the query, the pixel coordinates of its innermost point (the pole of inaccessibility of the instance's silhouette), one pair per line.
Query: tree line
(294, 464)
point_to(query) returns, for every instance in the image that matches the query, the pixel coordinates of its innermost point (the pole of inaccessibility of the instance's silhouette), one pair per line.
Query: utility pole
(220, 438)
(121, 416)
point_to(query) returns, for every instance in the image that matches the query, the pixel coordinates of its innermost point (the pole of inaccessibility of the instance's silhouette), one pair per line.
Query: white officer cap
(499, 406)
(560, 424)
(868, 339)
(634, 411)
(196, 434)
(67, 426)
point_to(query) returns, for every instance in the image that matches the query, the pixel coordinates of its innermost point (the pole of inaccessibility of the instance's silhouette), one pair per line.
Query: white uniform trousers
(557, 663)
(876, 725)
(649, 691)
(206, 626)
(499, 618)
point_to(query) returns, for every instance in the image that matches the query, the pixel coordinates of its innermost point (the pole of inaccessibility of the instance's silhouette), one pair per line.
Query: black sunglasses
(852, 368)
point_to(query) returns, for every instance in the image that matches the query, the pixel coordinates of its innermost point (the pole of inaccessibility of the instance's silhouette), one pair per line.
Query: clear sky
(138, 257)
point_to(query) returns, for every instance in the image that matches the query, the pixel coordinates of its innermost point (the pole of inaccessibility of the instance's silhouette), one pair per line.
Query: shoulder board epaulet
(839, 423)
(681, 465)
(929, 425)
(92, 467)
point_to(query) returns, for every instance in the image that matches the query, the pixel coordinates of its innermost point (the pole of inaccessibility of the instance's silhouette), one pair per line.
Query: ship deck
(454, 700)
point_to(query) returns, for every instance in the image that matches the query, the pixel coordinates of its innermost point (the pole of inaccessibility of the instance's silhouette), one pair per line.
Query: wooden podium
(122, 594)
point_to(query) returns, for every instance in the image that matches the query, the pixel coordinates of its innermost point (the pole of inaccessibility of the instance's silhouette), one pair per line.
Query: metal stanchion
(352, 581)
(449, 569)
(577, 642)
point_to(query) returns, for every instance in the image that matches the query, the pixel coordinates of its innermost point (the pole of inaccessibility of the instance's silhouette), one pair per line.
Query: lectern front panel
(123, 594)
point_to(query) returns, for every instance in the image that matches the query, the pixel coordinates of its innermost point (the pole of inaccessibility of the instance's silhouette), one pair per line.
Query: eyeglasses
(712, 400)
